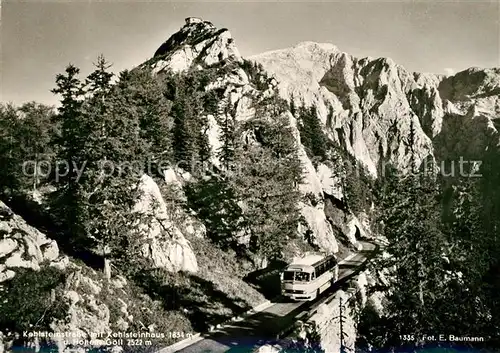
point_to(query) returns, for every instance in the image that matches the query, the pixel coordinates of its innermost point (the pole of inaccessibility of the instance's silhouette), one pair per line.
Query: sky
(39, 38)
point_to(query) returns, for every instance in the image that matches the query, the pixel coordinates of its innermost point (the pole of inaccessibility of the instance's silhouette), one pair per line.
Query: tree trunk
(421, 292)
(35, 176)
(421, 281)
(107, 268)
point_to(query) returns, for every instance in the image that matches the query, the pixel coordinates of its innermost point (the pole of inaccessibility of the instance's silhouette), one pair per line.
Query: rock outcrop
(187, 220)
(22, 246)
(164, 243)
(471, 111)
(86, 313)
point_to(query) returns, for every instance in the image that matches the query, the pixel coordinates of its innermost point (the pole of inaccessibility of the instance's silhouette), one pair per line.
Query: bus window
(301, 276)
(321, 269)
(288, 275)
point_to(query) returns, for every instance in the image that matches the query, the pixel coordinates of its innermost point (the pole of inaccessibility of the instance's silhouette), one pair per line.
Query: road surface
(259, 328)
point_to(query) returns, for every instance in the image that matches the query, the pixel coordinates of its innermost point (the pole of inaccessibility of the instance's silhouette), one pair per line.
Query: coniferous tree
(358, 186)
(226, 152)
(117, 152)
(412, 225)
(26, 153)
(95, 200)
(312, 135)
(34, 136)
(153, 109)
(99, 81)
(441, 258)
(68, 144)
(215, 202)
(190, 141)
(462, 303)
(266, 184)
(489, 205)
(293, 108)
(329, 117)
(10, 153)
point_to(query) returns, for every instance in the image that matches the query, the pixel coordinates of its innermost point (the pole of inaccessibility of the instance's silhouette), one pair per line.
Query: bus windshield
(296, 276)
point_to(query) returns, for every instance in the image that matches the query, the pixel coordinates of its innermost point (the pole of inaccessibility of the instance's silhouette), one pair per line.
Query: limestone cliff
(380, 112)
(164, 243)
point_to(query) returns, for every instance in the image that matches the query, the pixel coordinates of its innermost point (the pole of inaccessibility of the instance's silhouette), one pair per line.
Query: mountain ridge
(339, 76)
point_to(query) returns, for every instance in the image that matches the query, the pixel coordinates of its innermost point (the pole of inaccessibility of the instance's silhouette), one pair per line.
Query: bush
(32, 300)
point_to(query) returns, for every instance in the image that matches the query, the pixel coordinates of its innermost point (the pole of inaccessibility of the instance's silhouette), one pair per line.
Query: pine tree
(357, 184)
(34, 136)
(329, 117)
(342, 321)
(266, 184)
(442, 257)
(95, 199)
(99, 81)
(412, 225)
(226, 152)
(116, 156)
(467, 262)
(69, 143)
(154, 109)
(187, 93)
(10, 153)
(312, 135)
(489, 207)
(215, 202)
(293, 108)
(471, 305)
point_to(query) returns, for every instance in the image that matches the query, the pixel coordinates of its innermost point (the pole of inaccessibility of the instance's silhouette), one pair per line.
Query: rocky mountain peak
(472, 83)
(318, 47)
(197, 42)
(194, 30)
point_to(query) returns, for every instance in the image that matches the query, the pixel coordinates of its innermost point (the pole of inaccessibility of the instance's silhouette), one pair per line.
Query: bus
(308, 277)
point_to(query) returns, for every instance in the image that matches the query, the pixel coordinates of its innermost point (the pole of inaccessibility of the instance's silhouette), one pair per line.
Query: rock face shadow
(197, 298)
(267, 280)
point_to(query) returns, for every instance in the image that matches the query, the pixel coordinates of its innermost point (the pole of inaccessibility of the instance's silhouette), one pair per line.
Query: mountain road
(263, 326)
